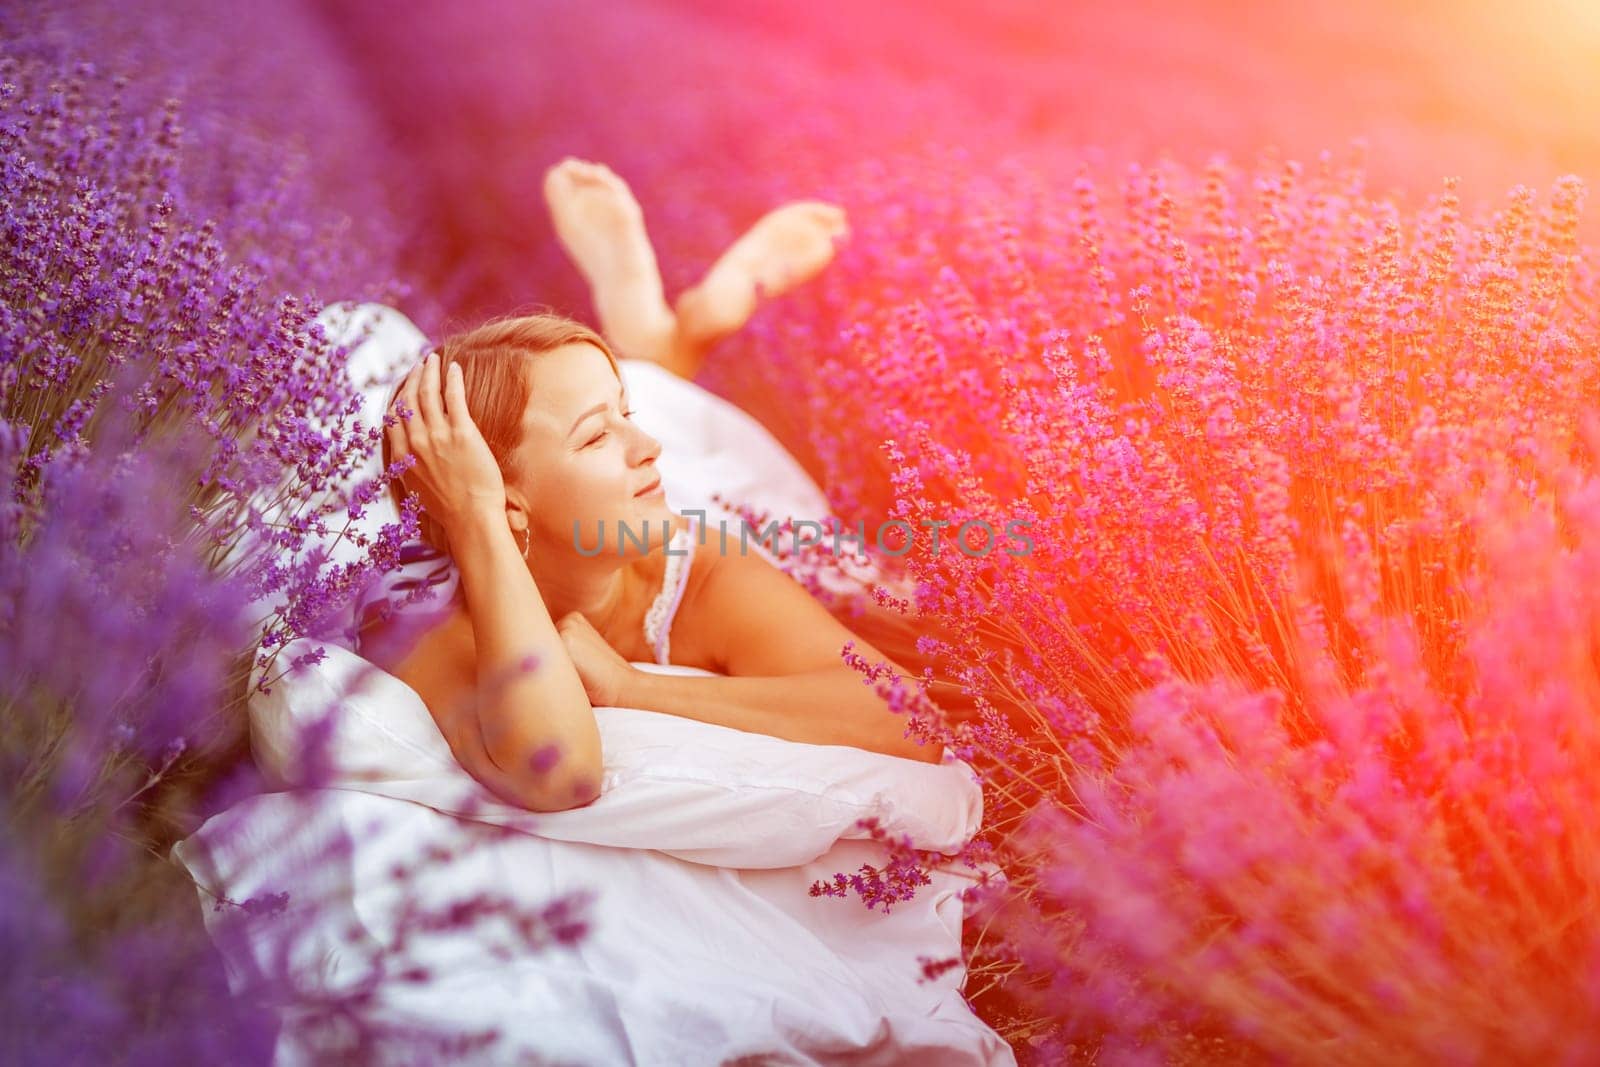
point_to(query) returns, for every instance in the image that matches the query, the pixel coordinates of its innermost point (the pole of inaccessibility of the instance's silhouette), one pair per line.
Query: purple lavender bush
(178, 447)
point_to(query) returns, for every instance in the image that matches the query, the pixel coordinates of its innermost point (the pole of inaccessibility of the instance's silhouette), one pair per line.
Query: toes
(601, 172)
(573, 172)
(555, 189)
(610, 177)
(824, 216)
(817, 208)
(561, 177)
(830, 216)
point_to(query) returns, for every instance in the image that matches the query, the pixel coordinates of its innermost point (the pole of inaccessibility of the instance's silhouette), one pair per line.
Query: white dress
(674, 579)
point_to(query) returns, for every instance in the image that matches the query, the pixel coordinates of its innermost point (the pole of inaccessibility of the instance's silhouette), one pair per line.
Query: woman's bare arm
(781, 651)
(535, 727)
(521, 714)
(831, 706)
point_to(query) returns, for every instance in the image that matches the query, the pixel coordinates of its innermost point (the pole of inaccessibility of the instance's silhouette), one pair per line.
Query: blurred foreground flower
(177, 456)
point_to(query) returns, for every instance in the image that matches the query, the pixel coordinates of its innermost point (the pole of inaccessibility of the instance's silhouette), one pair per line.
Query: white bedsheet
(684, 963)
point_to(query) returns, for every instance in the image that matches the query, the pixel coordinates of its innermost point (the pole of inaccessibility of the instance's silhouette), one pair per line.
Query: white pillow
(698, 791)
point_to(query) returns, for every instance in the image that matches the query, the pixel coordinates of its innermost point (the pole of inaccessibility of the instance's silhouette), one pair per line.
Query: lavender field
(1280, 323)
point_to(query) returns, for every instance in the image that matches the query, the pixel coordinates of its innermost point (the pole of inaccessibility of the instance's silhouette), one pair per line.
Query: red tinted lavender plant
(1213, 410)
(823, 88)
(1411, 886)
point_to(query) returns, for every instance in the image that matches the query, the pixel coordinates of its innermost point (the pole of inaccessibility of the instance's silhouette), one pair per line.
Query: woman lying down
(535, 479)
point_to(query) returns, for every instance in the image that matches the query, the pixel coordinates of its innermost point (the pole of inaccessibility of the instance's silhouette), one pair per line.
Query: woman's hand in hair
(455, 474)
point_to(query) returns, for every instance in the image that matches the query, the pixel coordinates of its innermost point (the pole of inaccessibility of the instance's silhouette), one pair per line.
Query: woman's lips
(651, 489)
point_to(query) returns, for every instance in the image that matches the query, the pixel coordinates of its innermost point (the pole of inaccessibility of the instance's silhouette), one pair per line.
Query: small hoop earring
(527, 539)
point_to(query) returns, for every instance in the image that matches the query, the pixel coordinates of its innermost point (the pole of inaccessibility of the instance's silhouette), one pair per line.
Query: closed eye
(597, 437)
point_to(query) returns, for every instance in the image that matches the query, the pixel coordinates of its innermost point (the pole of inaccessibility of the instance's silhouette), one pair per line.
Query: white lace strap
(658, 619)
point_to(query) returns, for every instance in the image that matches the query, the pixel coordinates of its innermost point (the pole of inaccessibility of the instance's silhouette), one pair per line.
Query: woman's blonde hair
(493, 359)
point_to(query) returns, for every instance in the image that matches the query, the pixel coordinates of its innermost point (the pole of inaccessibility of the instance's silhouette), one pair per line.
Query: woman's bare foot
(787, 246)
(601, 226)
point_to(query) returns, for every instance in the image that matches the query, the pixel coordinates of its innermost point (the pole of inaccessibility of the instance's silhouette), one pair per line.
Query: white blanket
(683, 963)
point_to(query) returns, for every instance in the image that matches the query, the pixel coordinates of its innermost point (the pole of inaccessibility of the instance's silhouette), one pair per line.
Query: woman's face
(583, 460)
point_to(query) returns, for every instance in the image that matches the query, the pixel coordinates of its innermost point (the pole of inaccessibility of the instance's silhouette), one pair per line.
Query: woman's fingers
(402, 429)
(408, 395)
(412, 393)
(432, 394)
(456, 399)
(397, 429)
(452, 403)
(396, 433)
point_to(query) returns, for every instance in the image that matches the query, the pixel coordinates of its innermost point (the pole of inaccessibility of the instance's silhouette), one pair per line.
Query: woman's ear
(518, 516)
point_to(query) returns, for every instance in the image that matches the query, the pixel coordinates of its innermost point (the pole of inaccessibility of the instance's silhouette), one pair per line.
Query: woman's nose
(645, 447)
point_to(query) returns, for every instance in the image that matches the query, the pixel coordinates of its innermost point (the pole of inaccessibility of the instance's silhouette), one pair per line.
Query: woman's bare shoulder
(433, 657)
(697, 629)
